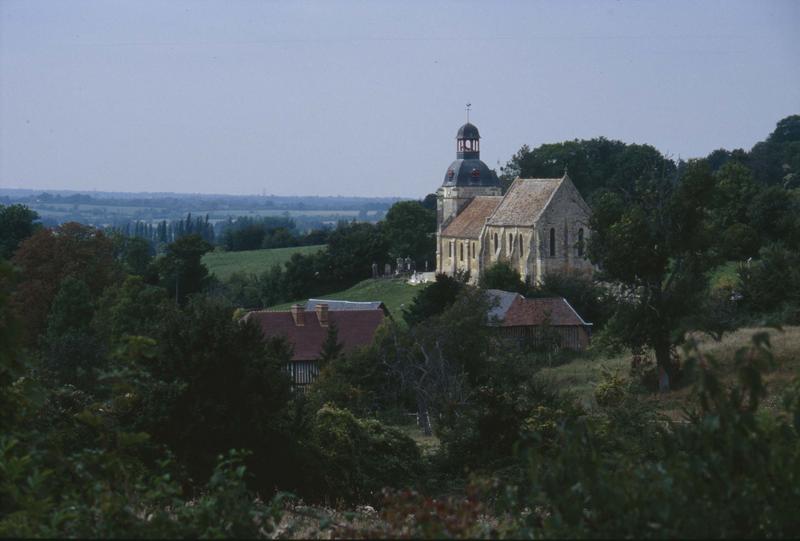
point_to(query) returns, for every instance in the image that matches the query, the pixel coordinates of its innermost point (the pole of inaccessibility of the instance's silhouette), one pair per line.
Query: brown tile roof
(468, 224)
(356, 328)
(524, 201)
(531, 312)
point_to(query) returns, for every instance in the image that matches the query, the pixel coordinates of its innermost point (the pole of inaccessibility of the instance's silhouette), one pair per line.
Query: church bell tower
(466, 178)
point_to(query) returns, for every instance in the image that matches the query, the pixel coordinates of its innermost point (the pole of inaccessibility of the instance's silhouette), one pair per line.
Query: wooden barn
(539, 322)
(306, 331)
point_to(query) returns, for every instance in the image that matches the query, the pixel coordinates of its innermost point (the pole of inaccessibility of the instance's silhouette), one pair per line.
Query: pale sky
(365, 98)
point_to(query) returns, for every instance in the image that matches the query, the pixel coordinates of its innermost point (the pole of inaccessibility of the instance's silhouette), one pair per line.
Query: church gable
(524, 202)
(566, 203)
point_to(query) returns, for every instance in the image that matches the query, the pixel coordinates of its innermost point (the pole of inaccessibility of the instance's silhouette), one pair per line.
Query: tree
(331, 347)
(49, 256)
(439, 361)
(433, 299)
(216, 384)
(134, 253)
(500, 275)
(71, 352)
(593, 164)
(410, 230)
(430, 201)
(776, 160)
(17, 222)
(773, 214)
(181, 268)
(653, 241)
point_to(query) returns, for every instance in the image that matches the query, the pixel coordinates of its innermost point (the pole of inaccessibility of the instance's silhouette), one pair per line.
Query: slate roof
(469, 171)
(501, 301)
(346, 305)
(524, 201)
(531, 312)
(355, 327)
(470, 221)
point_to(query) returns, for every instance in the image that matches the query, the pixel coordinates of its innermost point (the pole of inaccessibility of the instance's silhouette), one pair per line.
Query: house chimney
(322, 314)
(298, 315)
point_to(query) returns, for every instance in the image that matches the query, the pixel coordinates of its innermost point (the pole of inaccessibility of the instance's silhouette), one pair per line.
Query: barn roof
(355, 327)
(532, 312)
(501, 301)
(470, 221)
(346, 305)
(524, 201)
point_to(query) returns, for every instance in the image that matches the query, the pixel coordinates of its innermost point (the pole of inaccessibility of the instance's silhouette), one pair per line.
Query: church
(539, 226)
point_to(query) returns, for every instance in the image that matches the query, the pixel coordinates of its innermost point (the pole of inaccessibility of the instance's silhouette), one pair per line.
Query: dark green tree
(217, 384)
(433, 299)
(331, 347)
(501, 275)
(71, 352)
(181, 268)
(773, 213)
(410, 230)
(17, 222)
(654, 241)
(430, 202)
(593, 164)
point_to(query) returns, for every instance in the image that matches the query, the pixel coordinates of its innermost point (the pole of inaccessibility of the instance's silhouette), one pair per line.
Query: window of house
(496, 242)
(460, 252)
(580, 242)
(510, 241)
(473, 250)
(552, 242)
(451, 248)
(520, 245)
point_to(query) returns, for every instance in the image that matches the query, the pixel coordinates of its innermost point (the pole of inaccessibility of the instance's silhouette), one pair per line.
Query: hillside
(395, 293)
(223, 264)
(581, 375)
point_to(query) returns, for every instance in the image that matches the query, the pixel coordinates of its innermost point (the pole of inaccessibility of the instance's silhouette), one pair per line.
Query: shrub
(360, 457)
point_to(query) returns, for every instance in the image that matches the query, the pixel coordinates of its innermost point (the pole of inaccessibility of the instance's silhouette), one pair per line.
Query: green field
(394, 293)
(223, 264)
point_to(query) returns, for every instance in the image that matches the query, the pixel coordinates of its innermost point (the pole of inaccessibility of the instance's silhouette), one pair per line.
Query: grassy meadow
(585, 371)
(394, 292)
(223, 264)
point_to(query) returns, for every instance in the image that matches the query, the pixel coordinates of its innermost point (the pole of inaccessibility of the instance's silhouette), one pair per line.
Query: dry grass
(582, 374)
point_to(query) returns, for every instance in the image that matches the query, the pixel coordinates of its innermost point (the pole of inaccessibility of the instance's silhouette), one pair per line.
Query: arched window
(552, 242)
(460, 252)
(496, 242)
(520, 245)
(451, 248)
(473, 250)
(580, 242)
(510, 242)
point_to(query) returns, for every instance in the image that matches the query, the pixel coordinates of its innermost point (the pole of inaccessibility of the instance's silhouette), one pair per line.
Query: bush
(360, 457)
(772, 283)
(740, 241)
(502, 276)
(726, 472)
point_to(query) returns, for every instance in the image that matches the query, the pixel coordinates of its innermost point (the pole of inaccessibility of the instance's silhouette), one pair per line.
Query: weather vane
(468, 106)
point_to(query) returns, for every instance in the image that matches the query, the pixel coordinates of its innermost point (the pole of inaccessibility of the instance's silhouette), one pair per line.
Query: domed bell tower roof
(468, 169)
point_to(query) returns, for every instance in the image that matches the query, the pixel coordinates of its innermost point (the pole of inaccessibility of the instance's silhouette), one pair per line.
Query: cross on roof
(469, 105)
